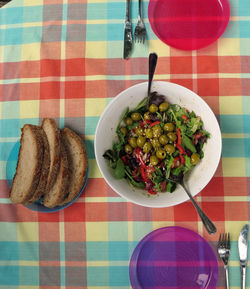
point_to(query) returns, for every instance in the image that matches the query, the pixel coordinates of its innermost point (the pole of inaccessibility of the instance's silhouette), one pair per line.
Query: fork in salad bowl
(208, 224)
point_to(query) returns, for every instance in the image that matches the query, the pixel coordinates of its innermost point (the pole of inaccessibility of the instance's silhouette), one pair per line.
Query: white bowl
(175, 94)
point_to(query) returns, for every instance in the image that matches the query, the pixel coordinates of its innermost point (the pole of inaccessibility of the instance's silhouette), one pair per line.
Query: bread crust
(57, 193)
(14, 197)
(55, 163)
(74, 190)
(41, 188)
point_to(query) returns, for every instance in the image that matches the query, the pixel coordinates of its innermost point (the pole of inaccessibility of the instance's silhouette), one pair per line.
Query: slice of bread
(41, 188)
(53, 136)
(77, 158)
(29, 165)
(57, 193)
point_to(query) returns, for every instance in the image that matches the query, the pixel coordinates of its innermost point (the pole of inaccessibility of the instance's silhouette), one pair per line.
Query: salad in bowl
(142, 146)
(156, 141)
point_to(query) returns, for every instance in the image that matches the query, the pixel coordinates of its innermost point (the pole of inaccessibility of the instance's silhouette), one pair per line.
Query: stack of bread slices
(52, 165)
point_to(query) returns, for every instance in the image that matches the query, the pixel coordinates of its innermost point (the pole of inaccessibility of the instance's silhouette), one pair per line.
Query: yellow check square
(27, 232)
(234, 167)
(94, 106)
(96, 49)
(159, 47)
(234, 226)
(31, 3)
(31, 52)
(94, 171)
(231, 105)
(96, 231)
(228, 46)
(29, 109)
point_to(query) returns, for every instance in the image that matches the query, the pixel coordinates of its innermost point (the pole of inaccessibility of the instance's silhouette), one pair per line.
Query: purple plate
(173, 257)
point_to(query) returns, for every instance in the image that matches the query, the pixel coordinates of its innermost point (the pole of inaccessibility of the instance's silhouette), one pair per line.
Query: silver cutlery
(224, 253)
(140, 29)
(243, 245)
(127, 33)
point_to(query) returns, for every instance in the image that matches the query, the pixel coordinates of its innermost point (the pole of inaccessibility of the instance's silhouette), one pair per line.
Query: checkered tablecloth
(63, 59)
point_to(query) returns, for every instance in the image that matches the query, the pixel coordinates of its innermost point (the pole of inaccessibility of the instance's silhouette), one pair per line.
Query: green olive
(163, 106)
(123, 130)
(153, 108)
(157, 131)
(147, 115)
(172, 136)
(133, 142)
(195, 158)
(161, 154)
(128, 121)
(139, 130)
(155, 143)
(147, 147)
(128, 149)
(169, 149)
(163, 139)
(141, 141)
(168, 126)
(149, 132)
(154, 160)
(136, 116)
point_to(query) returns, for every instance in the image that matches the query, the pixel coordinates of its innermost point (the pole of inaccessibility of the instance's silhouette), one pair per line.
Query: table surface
(63, 59)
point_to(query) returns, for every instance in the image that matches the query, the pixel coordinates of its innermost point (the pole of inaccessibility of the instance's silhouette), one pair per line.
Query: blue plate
(36, 206)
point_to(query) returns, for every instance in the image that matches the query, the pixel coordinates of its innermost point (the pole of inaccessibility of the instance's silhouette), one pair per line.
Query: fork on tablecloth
(140, 29)
(224, 253)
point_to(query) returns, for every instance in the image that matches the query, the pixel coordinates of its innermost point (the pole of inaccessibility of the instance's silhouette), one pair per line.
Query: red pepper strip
(184, 117)
(182, 159)
(180, 149)
(124, 159)
(178, 136)
(138, 153)
(152, 192)
(197, 136)
(154, 123)
(143, 173)
(176, 159)
(148, 121)
(142, 124)
(163, 186)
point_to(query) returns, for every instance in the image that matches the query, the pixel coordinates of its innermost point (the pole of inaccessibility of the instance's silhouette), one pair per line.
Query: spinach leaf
(141, 104)
(195, 123)
(169, 164)
(178, 170)
(139, 185)
(134, 125)
(111, 157)
(124, 115)
(119, 169)
(178, 123)
(170, 187)
(188, 164)
(186, 142)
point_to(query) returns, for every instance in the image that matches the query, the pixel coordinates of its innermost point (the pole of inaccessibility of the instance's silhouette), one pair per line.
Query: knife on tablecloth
(243, 245)
(127, 32)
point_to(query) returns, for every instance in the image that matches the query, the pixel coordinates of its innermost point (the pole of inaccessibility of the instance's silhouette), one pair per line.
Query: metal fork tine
(228, 241)
(219, 242)
(224, 239)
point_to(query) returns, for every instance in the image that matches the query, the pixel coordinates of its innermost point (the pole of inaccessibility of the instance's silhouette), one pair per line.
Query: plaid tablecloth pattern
(63, 59)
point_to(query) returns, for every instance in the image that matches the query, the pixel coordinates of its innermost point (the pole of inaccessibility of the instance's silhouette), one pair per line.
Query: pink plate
(188, 24)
